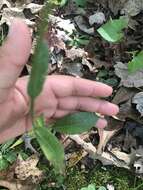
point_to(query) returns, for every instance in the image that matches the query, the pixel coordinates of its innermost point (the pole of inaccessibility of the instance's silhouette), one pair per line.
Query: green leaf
(51, 147)
(10, 157)
(136, 63)
(3, 162)
(5, 147)
(81, 3)
(90, 187)
(76, 123)
(102, 188)
(39, 69)
(63, 3)
(112, 30)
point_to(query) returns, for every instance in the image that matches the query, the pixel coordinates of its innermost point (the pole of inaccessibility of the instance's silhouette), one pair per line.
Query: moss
(122, 179)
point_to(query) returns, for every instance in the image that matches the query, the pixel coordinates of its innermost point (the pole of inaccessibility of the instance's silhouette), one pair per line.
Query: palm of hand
(61, 95)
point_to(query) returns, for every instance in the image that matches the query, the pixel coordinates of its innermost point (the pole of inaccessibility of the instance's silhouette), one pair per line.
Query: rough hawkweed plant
(72, 124)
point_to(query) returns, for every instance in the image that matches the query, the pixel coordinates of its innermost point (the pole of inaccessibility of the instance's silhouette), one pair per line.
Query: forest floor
(79, 50)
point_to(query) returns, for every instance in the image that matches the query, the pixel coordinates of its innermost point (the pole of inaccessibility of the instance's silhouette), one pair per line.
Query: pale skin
(61, 95)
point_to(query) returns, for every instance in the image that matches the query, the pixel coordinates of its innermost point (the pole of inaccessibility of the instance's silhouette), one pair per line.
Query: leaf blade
(51, 147)
(112, 30)
(76, 123)
(136, 63)
(39, 69)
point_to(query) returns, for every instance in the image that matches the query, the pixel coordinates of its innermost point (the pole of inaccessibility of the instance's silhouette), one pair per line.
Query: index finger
(63, 86)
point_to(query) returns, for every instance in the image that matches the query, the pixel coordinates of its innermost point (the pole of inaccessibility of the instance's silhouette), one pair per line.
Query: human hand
(61, 95)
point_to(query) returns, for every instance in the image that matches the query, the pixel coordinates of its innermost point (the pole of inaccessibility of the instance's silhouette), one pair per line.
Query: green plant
(136, 63)
(7, 156)
(92, 187)
(79, 41)
(112, 30)
(72, 124)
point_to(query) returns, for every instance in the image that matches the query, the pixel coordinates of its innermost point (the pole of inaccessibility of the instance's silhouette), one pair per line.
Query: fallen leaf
(132, 7)
(97, 18)
(116, 5)
(127, 111)
(128, 80)
(74, 69)
(75, 158)
(123, 94)
(106, 134)
(9, 13)
(4, 2)
(138, 100)
(82, 25)
(15, 185)
(27, 169)
(64, 24)
(34, 8)
(74, 53)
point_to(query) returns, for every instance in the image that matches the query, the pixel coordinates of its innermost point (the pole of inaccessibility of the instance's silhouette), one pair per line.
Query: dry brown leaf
(127, 79)
(4, 3)
(132, 7)
(26, 169)
(123, 94)
(16, 185)
(74, 53)
(72, 68)
(75, 157)
(138, 100)
(82, 25)
(97, 18)
(12, 11)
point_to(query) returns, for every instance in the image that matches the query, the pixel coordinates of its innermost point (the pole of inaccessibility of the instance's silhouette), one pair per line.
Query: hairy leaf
(136, 63)
(90, 187)
(51, 147)
(102, 188)
(39, 70)
(112, 30)
(76, 123)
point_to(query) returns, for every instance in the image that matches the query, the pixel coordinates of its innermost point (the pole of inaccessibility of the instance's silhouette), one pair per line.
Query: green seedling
(112, 31)
(71, 124)
(136, 63)
(92, 187)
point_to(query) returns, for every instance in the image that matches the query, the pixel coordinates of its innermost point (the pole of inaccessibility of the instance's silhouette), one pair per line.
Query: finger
(87, 104)
(66, 86)
(58, 114)
(15, 130)
(101, 123)
(14, 54)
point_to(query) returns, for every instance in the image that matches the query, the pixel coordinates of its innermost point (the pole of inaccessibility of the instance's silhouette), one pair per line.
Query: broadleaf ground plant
(112, 31)
(93, 187)
(71, 124)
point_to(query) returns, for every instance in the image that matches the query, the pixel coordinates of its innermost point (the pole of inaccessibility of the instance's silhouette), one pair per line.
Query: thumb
(14, 54)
